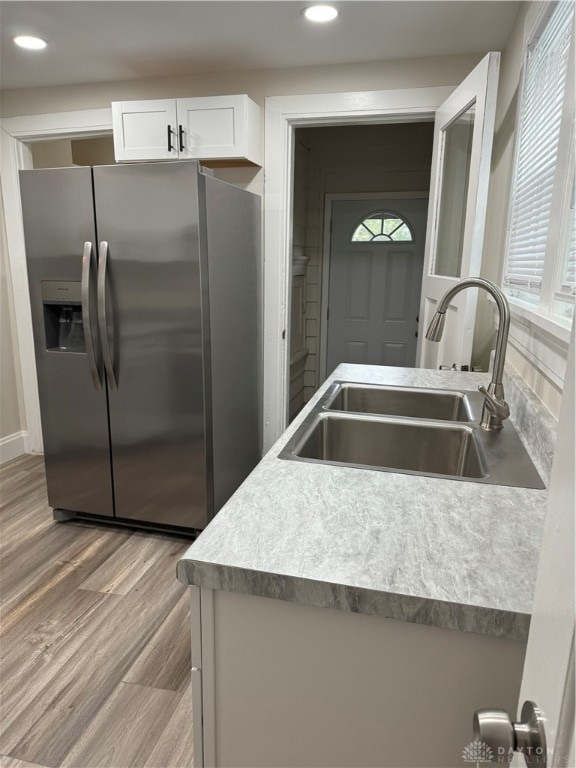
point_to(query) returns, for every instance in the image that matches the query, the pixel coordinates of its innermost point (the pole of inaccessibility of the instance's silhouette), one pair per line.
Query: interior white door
(548, 678)
(376, 260)
(463, 132)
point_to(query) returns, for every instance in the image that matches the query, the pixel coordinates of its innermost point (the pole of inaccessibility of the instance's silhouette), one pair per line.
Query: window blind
(568, 283)
(537, 150)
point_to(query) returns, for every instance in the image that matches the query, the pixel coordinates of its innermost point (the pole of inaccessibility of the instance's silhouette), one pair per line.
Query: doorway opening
(343, 175)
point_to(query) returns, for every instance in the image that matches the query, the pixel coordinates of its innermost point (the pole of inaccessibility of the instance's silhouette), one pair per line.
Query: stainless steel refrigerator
(144, 288)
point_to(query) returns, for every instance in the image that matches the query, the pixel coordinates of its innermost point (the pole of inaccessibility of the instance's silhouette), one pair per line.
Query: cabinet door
(145, 130)
(212, 128)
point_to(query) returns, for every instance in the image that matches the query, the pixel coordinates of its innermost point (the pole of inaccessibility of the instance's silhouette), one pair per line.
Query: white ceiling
(114, 40)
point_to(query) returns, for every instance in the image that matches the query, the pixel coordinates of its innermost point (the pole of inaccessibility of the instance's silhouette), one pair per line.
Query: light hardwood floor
(94, 639)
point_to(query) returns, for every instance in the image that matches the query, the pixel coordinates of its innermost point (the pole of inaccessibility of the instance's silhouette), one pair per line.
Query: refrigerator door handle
(86, 315)
(102, 318)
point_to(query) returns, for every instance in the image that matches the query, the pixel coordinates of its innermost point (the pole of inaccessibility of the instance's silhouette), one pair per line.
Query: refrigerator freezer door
(148, 215)
(58, 215)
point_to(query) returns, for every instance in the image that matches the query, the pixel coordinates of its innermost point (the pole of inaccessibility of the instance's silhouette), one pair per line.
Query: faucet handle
(497, 406)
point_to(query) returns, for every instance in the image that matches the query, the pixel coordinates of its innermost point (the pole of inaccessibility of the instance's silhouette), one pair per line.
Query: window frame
(383, 214)
(542, 313)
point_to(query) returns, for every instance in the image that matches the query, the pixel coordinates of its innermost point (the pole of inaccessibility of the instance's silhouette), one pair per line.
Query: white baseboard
(13, 446)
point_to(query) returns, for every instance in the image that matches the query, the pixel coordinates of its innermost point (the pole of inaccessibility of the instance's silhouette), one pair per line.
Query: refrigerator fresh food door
(58, 213)
(231, 261)
(150, 304)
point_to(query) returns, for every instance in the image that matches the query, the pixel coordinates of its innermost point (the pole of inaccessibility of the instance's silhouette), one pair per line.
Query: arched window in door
(383, 226)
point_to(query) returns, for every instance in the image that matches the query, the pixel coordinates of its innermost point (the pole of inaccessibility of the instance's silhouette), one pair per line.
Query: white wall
(63, 153)
(11, 421)
(98, 151)
(501, 169)
(258, 84)
(52, 154)
(378, 75)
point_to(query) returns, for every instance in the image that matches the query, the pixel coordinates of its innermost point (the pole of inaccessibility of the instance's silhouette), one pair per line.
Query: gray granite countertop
(447, 553)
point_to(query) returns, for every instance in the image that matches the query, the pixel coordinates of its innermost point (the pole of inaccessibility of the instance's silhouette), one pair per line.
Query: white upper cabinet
(145, 130)
(220, 128)
(224, 128)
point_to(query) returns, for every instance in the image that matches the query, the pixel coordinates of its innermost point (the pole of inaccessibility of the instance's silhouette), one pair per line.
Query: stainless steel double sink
(432, 432)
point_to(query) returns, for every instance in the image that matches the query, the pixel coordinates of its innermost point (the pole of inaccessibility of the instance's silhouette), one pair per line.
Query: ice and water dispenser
(63, 316)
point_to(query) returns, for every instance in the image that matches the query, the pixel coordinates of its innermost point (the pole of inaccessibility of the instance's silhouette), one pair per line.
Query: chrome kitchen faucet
(495, 409)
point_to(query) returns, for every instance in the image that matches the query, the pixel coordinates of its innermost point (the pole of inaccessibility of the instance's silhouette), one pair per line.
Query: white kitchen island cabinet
(354, 617)
(278, 684)
(225, 129)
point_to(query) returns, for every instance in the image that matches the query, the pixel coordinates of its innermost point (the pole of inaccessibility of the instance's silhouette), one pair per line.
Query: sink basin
(420, 447)
(446, 405)
(411, 430)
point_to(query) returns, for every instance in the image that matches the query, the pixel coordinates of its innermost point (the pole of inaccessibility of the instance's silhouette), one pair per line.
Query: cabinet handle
(181, 137)
(170, 147)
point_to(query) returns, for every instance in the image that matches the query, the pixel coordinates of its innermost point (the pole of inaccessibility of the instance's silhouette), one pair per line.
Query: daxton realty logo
(477, 752)
(480, 752)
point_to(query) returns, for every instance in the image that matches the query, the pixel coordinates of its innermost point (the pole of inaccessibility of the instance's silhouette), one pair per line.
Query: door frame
(15, 134)
(326, 246)
(283, 114)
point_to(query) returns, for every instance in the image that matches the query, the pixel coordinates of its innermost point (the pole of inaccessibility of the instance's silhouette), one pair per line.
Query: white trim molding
(15, 134)
(60, 125)
(282, 115)
(14, 156)
(12, 446)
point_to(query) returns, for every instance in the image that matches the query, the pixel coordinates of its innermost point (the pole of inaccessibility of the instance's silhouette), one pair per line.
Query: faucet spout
(495, 407)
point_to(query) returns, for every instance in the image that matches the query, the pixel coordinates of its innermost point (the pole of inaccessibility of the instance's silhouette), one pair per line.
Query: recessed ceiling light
(320, 13)
(30, 42)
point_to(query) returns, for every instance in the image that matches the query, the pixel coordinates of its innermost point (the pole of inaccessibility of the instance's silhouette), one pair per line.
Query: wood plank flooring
(94, 639)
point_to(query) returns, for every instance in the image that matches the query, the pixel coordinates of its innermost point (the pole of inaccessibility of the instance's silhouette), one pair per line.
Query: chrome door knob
(494, 729)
